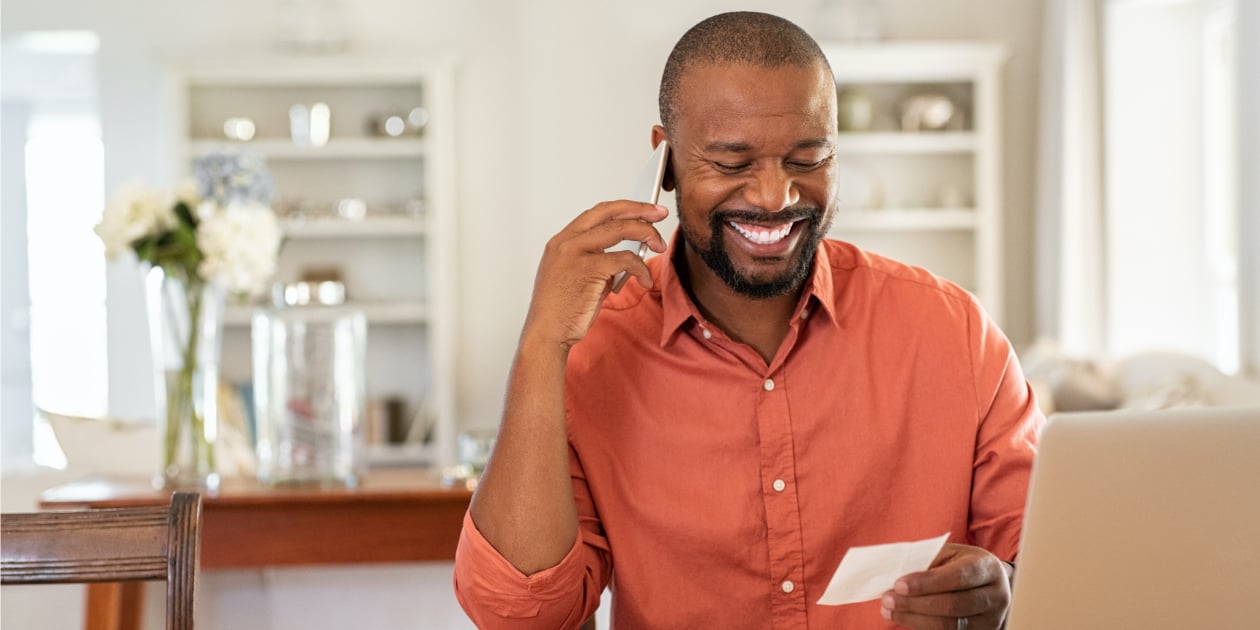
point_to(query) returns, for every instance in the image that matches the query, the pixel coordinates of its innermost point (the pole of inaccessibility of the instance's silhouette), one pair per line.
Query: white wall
(556, 99)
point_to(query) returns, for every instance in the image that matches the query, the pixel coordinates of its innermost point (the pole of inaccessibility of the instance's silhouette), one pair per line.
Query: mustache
(759, 216)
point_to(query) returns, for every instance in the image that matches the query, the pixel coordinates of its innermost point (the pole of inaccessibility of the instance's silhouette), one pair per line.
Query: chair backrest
(110, 545)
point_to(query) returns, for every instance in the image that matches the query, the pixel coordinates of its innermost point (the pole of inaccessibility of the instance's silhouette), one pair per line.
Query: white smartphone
(647, 188)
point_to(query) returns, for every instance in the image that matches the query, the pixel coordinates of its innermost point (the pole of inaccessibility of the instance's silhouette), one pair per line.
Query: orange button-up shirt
(717, 491)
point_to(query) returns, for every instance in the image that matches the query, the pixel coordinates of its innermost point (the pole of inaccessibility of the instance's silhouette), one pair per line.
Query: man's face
(755, 170)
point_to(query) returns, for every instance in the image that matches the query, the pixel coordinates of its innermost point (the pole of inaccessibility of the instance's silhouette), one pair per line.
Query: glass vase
(185, 328)
(309, 395)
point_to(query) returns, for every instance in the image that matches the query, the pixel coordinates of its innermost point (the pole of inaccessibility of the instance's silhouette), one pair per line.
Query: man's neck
(761, 323)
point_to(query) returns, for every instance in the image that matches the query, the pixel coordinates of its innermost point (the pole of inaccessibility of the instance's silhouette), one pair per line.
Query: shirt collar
(678, 309)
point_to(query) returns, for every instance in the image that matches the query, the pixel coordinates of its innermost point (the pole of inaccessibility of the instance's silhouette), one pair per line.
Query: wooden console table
(394, 515)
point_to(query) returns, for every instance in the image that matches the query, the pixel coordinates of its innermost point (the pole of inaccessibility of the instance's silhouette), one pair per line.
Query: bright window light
(65, 194)
(1171, 177)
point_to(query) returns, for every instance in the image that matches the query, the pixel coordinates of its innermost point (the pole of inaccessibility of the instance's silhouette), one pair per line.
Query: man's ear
(658, 136)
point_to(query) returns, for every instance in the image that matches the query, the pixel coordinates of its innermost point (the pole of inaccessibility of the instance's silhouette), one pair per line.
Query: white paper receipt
(865, 573)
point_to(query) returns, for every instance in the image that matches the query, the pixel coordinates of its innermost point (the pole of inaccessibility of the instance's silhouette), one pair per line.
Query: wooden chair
(110, 545)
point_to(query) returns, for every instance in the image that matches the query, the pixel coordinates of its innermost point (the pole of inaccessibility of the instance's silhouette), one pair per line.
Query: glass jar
(309, 397)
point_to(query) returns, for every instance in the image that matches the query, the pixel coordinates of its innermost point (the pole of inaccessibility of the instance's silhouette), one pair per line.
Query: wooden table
(394, 515)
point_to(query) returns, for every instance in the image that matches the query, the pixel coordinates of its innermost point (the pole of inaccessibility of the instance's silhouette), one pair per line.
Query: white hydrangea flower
(239, 244)
(186, 192)
(134, 212)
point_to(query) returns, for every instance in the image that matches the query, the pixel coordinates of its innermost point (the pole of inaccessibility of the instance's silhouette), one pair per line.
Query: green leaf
(146, 250)
(185, 236)
(185, 214)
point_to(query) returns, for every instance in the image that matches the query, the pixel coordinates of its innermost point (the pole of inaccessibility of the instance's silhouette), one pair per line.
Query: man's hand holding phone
(647, 188)
(524, 502)
(581, 264)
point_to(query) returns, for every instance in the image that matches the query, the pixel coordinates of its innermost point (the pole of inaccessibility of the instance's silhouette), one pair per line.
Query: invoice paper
(866, 573)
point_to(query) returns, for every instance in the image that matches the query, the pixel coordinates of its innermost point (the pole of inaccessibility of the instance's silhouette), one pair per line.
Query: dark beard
(791, 280)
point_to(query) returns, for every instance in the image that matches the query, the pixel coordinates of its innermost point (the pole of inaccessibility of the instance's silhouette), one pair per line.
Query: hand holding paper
(865, 573)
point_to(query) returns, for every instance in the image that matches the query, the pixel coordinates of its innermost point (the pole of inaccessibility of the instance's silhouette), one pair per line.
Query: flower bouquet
(211, 236)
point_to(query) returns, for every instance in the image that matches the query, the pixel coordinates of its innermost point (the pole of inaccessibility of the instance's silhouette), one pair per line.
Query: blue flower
(231, 177)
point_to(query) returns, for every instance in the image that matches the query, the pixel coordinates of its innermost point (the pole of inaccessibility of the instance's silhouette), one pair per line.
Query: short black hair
(739, 37)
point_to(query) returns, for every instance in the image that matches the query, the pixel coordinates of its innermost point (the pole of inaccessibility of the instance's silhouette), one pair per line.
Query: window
(1170, 178)
(64, 197)
(53, 182)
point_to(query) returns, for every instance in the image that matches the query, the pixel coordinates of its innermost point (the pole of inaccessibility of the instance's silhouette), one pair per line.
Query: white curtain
(1248, 41)
(1071, 291)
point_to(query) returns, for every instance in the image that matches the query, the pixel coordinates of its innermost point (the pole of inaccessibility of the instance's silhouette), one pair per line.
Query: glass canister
(309, 398)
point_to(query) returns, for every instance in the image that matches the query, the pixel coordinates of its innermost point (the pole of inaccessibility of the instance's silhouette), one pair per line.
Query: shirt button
(779, 485)
(769, 384)
(788, 586)
(707, 334)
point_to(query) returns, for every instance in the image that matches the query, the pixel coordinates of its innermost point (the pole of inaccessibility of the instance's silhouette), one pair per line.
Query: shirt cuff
(486, 583)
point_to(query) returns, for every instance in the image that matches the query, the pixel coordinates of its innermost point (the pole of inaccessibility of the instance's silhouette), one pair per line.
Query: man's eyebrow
(815, 143)
(727, 147)
(744, 147)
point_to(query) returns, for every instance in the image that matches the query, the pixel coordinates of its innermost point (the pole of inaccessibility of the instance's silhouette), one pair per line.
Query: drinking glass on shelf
(475, 446)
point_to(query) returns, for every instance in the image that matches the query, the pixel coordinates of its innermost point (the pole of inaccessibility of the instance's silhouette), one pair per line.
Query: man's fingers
(605, 235)
(963, 582)
(613, 210)
(608, 234)
(956, 569)
(977, 601)
(631, 264)
(921, 622)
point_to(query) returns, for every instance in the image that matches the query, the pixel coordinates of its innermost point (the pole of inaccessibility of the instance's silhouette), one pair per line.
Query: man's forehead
(710, 72)
(723, 94)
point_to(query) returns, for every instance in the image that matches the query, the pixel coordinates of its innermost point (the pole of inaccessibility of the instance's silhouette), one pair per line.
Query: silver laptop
(1145, 520)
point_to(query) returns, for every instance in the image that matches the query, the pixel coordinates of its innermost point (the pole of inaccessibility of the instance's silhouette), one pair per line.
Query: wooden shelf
(902, 219)
(400, 312)
(389, 455)
(926, 142)
(337, 148)
(348, 228)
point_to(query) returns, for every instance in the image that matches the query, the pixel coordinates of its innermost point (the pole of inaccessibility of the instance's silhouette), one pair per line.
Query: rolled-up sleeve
(495, 594)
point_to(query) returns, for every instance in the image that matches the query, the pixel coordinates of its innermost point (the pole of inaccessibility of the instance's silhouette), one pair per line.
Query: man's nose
(771, 188)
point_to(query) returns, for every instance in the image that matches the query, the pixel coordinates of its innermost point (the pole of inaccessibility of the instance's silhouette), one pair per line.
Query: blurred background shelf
(919, 157)
(337, 148)
(380, 313)
(926, 142)
(372, 227)
(398, 455)
(397, 261)
(905, 219)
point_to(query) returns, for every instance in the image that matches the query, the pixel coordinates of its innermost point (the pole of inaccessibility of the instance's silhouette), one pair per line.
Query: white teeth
(763, 236)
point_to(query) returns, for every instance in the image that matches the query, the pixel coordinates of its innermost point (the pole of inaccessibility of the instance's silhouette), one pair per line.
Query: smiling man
(711, 440)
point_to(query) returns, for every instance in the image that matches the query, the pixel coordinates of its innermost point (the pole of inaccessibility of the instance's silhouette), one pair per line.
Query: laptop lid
(1143, 519)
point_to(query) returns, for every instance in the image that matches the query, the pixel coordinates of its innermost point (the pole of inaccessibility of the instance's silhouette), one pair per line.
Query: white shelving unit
(338, 149)
(929, 198)
(380, 227)
(862, 143)
(398, 266)
(382, 313)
